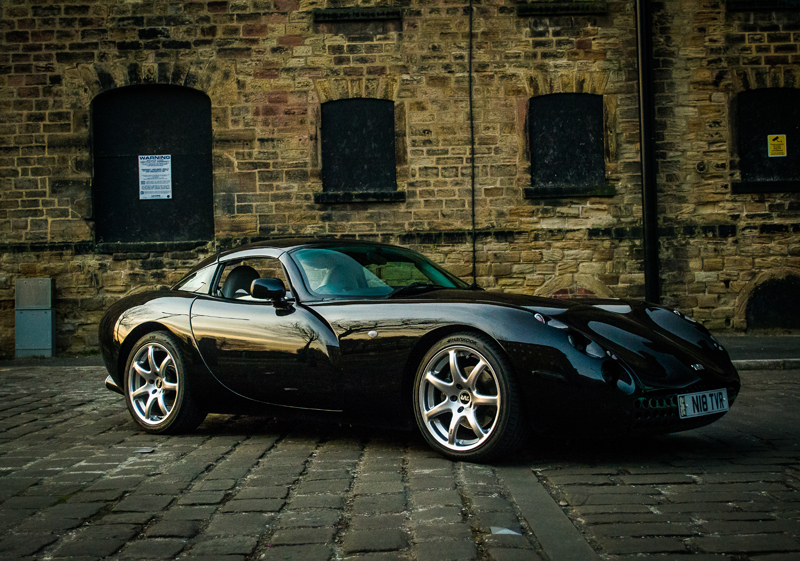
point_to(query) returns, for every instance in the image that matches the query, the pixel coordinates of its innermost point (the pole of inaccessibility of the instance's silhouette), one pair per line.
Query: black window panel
(566, 140)
(152, 120)
(358, 146)
(765, 112)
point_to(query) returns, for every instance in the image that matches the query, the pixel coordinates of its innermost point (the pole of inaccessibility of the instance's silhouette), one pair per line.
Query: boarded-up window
(152, 120)
(566, 139)
(768, 131)
(358, 146)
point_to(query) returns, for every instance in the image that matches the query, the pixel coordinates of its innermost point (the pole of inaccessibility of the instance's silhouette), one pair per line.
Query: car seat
(239, 279)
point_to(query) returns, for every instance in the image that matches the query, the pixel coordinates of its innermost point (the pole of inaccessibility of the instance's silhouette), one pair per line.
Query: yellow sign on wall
(776, 144)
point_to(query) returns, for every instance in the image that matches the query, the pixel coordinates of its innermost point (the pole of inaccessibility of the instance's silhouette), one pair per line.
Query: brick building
(323, 117)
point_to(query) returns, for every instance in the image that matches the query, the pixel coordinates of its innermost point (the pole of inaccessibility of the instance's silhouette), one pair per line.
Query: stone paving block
(435, 532)
(491, 504)
(439, 497)
(447, 551)
(239, 524)
(746, 544)
(507, 554)
(173, 529)
(270, 492)
(306, 519)
(486, 520)
(303, 502)
(642, 529)
(215, 485)
(253, 505)
(138, 518)
(325, 486)
(417, 482)
(362, 541)
(109, 483)
(73, 510)
(152, 549)
(622, 546)
(29, 502)
(19, 545)
(302, 536)
(378, 487)
(189, 513)
(241, 545)
(378, 521)
(41, 524)
(379, 504)
(202, 498)
(143, 503)
(437, 515)
(751, 527)
(96, 547)
(298, 553)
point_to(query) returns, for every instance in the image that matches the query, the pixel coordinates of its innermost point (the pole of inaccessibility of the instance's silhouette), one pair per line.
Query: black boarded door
(152, 120)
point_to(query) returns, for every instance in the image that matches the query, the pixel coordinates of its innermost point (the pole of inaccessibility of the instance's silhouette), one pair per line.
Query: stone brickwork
(267, 66)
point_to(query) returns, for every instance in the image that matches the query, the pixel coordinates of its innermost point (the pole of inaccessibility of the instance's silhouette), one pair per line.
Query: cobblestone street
(78, 480)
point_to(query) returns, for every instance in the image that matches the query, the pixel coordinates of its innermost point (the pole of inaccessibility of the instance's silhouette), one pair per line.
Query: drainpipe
(472, 147)
(644, 45)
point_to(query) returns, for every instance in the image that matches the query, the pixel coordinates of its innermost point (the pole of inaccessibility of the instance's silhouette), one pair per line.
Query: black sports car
(381, 335)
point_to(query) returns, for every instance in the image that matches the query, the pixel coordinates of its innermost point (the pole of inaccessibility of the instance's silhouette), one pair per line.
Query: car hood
(665, 349)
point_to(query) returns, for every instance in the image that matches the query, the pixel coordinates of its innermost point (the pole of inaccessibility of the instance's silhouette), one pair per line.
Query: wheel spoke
(144, 390)
(455, 371)
(169, 386)
(473, 424)
(151, 358)
(163, 366)
(478, 399)
(455, 422)
(443, 407)
(162, 405)
(438, 383)
(473, 376)
(140, 369)
(148, 410)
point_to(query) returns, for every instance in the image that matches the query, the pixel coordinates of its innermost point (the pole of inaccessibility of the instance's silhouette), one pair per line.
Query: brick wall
(267, 66)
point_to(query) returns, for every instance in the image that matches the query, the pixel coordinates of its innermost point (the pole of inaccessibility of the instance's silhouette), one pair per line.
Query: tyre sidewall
(495, 444)
(168, 342)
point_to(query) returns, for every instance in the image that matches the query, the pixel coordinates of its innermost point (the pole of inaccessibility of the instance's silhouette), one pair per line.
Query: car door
(276, 354)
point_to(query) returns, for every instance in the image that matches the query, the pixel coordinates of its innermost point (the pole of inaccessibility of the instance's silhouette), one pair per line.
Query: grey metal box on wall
(34, 318)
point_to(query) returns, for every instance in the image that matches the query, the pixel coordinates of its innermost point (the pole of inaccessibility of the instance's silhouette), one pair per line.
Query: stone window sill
(761, 5)
(561, 191)
(562, 7)
(147, 247)
(742, 187)
(360, 197)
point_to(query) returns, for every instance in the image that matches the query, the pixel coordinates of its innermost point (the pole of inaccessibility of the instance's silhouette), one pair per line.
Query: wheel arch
(137, 333)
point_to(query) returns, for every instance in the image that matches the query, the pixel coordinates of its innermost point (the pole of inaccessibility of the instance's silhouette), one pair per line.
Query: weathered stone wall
(267, 67)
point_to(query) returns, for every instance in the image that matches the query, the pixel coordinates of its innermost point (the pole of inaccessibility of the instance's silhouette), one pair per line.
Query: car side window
(237, 276)
(199, 281)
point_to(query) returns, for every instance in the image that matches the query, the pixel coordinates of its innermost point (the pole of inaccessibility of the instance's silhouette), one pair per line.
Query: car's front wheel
(157, 390)
(466, 401)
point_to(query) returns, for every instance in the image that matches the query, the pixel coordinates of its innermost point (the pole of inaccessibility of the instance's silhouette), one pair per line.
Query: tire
(157, 388)
(468, 415)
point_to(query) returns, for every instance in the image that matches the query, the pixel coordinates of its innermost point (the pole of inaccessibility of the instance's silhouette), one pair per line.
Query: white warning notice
(155, 177)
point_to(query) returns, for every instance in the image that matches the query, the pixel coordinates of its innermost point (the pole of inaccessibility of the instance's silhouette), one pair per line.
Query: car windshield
(370, 271)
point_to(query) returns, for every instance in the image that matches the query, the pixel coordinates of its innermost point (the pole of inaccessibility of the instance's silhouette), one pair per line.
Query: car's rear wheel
(157, 389)
(466, 401)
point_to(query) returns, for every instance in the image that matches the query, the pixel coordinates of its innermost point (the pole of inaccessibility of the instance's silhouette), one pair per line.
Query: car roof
(288, 244)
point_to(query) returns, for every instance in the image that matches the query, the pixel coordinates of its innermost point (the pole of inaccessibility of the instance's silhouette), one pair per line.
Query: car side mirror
(268, 289)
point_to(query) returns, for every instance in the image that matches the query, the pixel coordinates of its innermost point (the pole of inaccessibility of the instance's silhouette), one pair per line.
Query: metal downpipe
(644, 44)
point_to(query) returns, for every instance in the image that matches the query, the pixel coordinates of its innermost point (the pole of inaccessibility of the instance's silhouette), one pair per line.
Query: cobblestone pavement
(78, 480)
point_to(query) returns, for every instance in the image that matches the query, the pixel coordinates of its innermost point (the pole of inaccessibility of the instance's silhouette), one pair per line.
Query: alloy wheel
(459, 398)
(153, 383)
